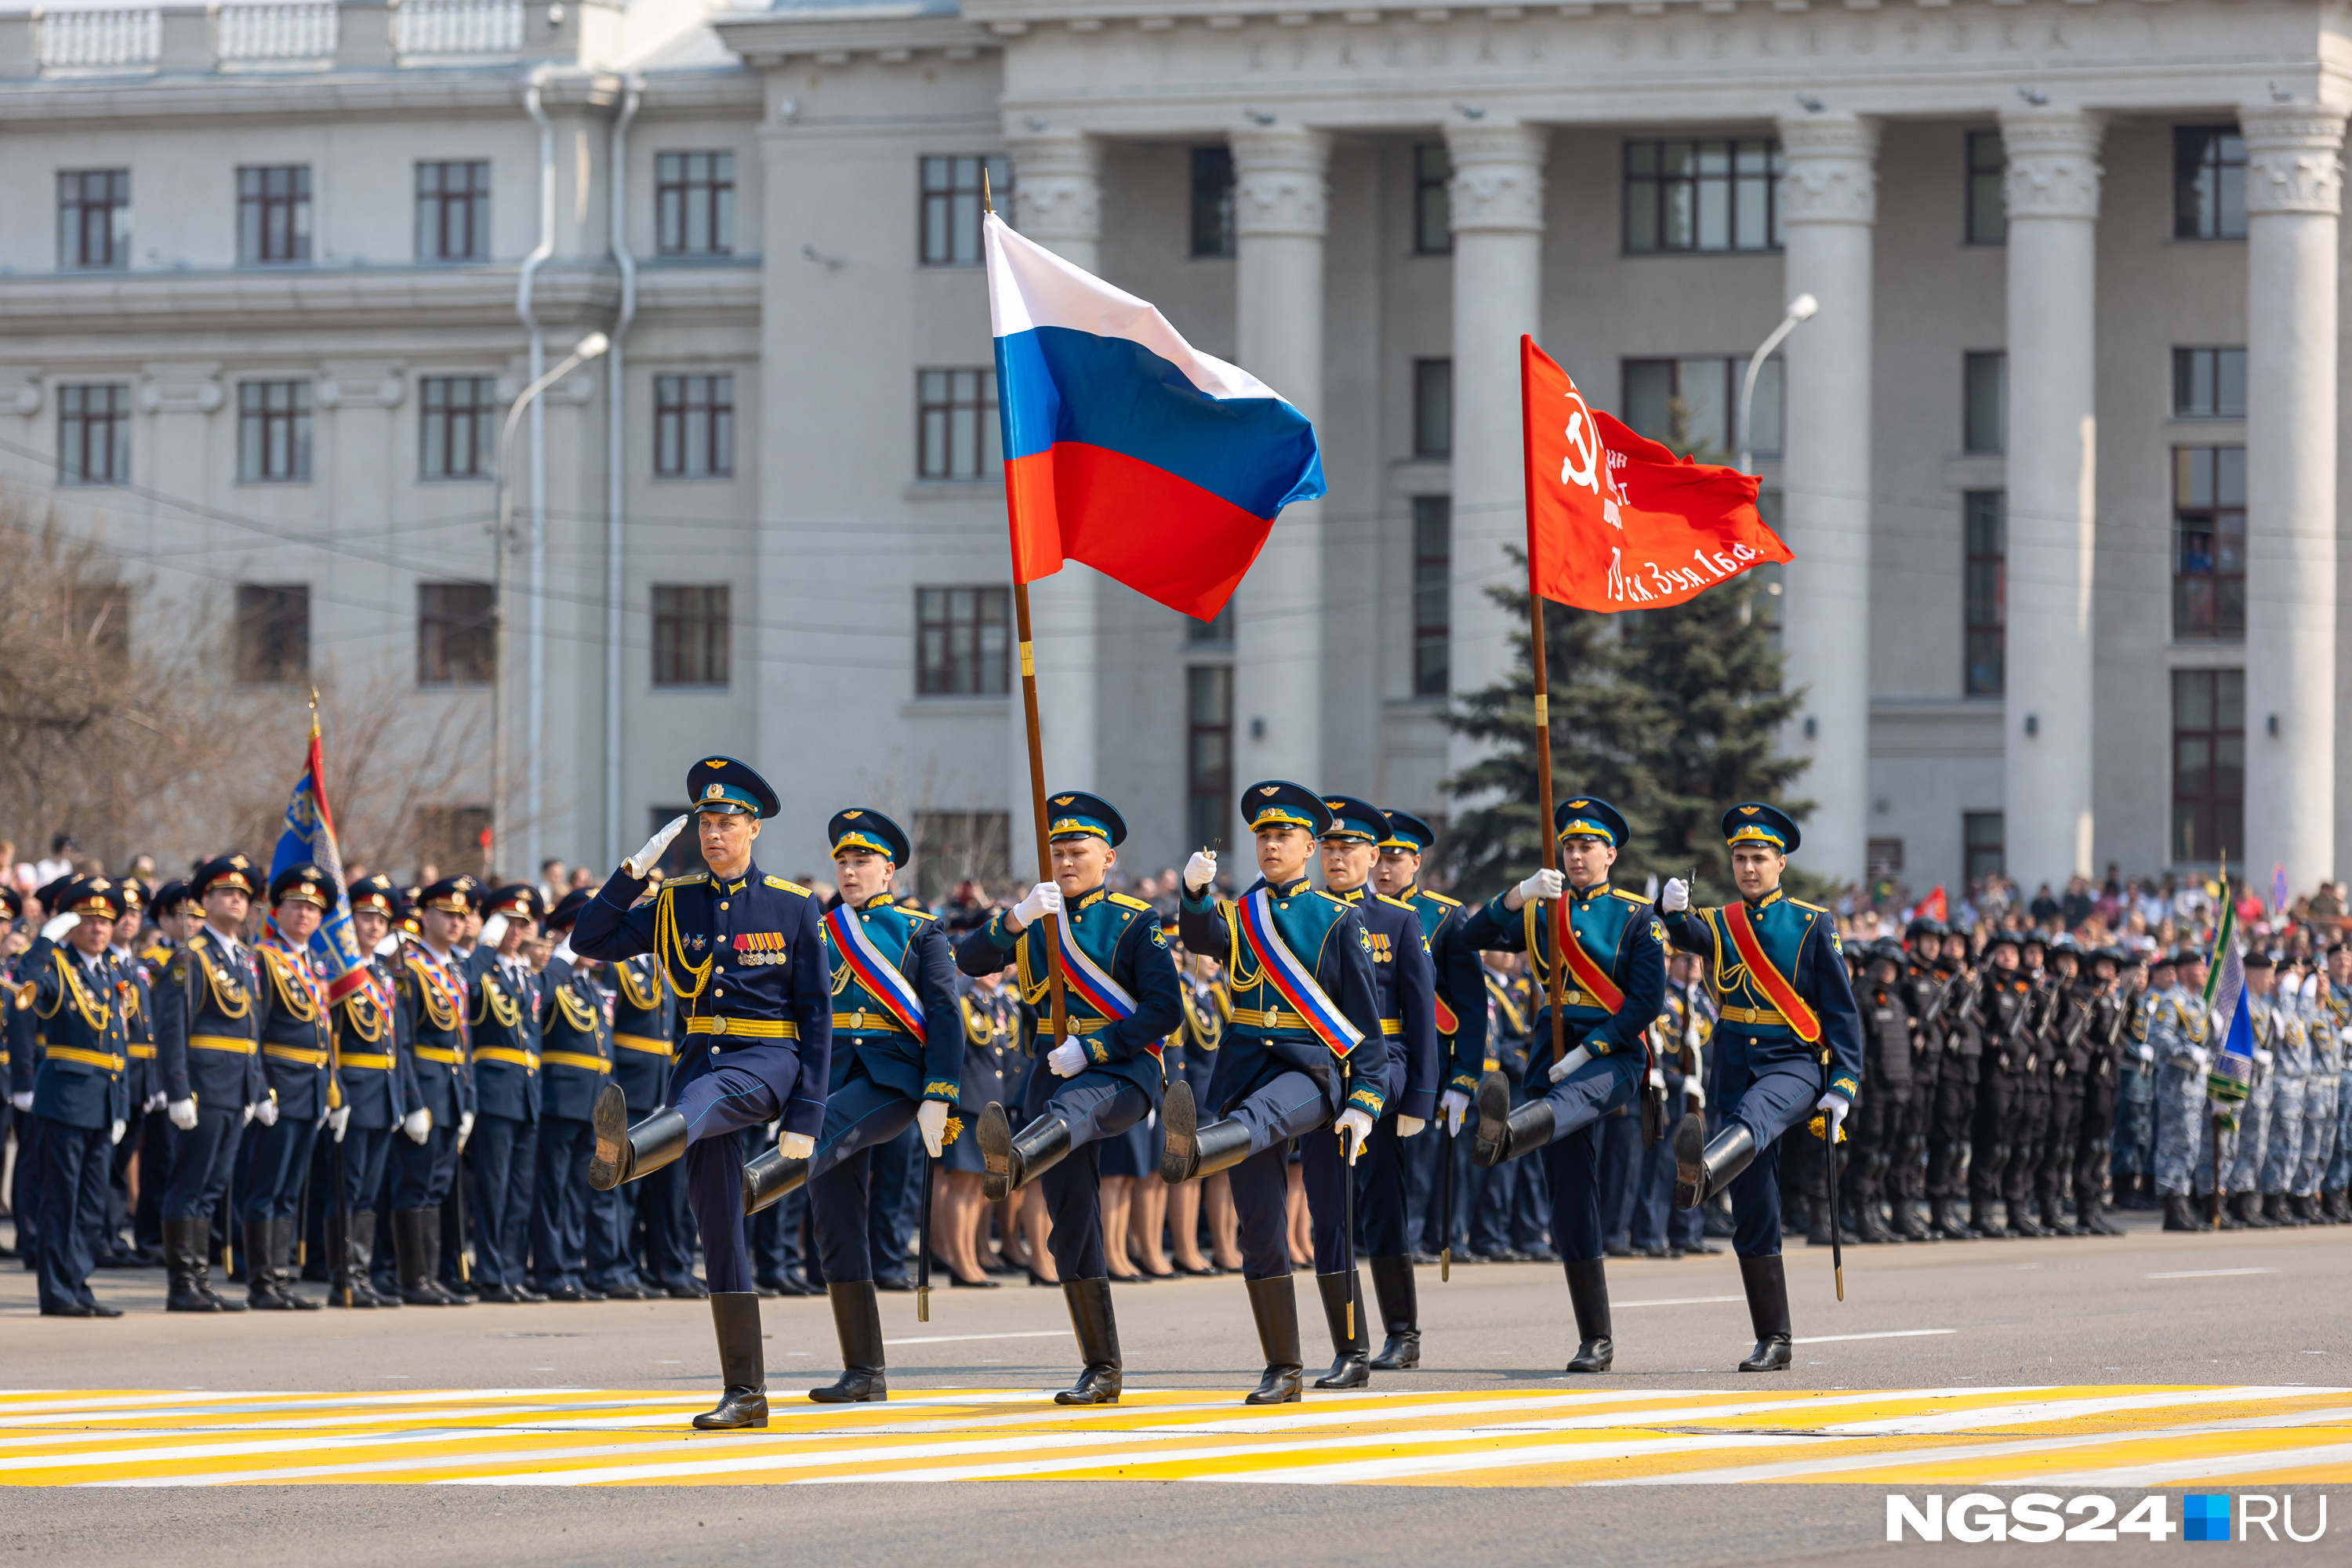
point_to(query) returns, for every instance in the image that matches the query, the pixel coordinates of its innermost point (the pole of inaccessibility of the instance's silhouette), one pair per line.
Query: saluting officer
(644, 1022)
(1306, 1058)
(80, 1094)
(431, 991)
(745, 953)
(295, 1064)
(1789, 1038)
(1121, 1003)
(1614, 988)
(503, 1150)
(208, 1044)
(576, 1058)
(374, 1085)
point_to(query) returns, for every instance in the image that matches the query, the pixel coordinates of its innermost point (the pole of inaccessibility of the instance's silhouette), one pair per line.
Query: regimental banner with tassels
(309, 837)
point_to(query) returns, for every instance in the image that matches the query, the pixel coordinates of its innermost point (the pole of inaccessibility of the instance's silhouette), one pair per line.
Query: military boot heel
(742, 1364)
(858, 1322)
(261, 1288)
(1187, 1148)
(1393, 1287)
(1351, 1341)
(1588, 1294)
(1276, 1307)
(1096, 1329)
(184, 1263)
(623, 1153)
(1767, 1284)
(1010, 1160)
(282, 1256)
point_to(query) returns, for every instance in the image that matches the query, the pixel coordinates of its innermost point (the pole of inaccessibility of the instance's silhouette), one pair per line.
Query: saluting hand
(641, 864)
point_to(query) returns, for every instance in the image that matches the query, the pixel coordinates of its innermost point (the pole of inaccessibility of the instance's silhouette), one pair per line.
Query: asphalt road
(2244, 1307)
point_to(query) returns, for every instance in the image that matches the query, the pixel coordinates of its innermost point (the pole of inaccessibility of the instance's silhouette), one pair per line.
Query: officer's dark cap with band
(1588, 816)
(377, 893)
(566, 913)
(1355, 819)
(1755, 821)
(1075, 814)
(1407, 833)
(517, 901)
(225, 871)
(863, 828)
(98, 897)
(449, 896)
(304, 883)
(724, 784)
(1279, 802)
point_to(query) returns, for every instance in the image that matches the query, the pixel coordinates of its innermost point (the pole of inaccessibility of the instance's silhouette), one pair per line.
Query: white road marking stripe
(2209, 1273)
(2019, 1413)
(1619, 1416)
(1298, 1421)
(2164, 1474)
(1883, 1334)
(1501, 1459)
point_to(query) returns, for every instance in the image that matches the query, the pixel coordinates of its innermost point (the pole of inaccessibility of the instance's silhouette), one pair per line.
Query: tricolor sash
(877, 973)
(1773, 984)
(1092, 982)
(1587, 976)
(1292, 978)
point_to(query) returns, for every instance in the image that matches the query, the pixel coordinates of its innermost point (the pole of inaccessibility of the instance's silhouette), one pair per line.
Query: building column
(2052, 438)
(1497, 222)
(2294, 189)
(1280, 206)
(1829, 206)
(1057, 194)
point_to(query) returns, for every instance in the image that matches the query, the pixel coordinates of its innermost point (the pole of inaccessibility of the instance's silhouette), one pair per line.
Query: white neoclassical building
(2057, 455)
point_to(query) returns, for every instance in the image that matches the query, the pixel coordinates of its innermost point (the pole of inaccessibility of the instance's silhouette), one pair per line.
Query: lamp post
(1801, 309)
(588, 348)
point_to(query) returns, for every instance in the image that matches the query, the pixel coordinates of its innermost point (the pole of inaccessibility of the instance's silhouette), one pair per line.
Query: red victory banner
(1615, 521)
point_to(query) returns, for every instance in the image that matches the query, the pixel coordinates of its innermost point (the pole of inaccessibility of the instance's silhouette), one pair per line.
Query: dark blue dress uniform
(143, 1084)
(1787, 1033)
(645, 1024)
(80, 1099)
(297, 1058)
(432, 994)
(502, 1156)
(1461, 978)
(1278, 1078)
(992, 1063)
(575, 1057)
(375, 1082)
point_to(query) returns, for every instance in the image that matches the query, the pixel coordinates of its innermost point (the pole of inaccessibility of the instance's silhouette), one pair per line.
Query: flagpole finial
(987, 199)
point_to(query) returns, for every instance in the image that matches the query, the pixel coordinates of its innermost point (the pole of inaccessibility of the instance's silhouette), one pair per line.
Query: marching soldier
(1120, 1002)
(2179, 1033)
(1922, 988)
(644, 1022)
(745, 953)
(295, 1064)
(2103, 1059)
(2322, 1094)
(141, 1082)
(376, 1088)
(79, 1097)
(576, 1058)
(1957, 1083)
(152, 1130)
(2033, 1057)
(208, 1045)
(2249, 1140)
(1614, 988)
(2290, 1069)
(432, 989)
(2136, 1111)
(1879, 1117)
(1306, 1058)
(1789, 1038)
(2004, 1009)
(1192, 1056)
(502, 1151)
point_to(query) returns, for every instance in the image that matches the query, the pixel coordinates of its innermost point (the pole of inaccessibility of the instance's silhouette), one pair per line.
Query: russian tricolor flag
(1124, 446)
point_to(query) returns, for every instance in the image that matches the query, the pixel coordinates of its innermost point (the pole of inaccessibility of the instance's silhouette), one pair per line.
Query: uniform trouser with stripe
(1573, 1159)
(1290, 1104)
(422, 1174)
(559, 1215)
(203, 1157)
(667, 1220)
(502, 1160)
(281, 1158)
(1094, 1105)
(71, 1181)
(1766, 1088)
(1382, 1184)
(860, 1117)
(366, 1151)
(718, 1104)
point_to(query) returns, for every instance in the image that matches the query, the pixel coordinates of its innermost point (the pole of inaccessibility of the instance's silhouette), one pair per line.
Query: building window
(94, 434)
(1432, 199)
(460, 414)
(1988, 197)
(952, 847)
(457, 633)
(1982, 847)
(1433, 594)
(694, 426)
(1213, 201)
(1433, 408)
(2208, 384)
(690, 633)
(273, 214)
(2209, 764)
(961, 637)
(1218, 629)
(453, 212)
(1984, 414)
(93, 220)
(1208, 752)
(1885, 859)
(273, 432)
(1984, 574)
(1702, 195)
(2208, 183)
(955, 424)
(273, 632)
(951, 204)
(694, 204)
(2208, 527)
(1692, 404)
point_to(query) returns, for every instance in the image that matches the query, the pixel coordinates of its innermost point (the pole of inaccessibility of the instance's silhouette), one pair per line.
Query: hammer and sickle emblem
(1584, 442)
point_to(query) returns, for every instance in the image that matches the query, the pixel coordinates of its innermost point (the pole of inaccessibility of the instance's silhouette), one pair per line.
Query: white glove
(267, 1112)
(1199, 871)
(418, 1125)
(641, 864)
(338, 1120)
(1355, 1125)
(114, 1133)
(494, 930)
(1543, 884)
(183, 1113)
(56, 929)
(795, 1145)
(1045, 898)
(1569, 1063)
(465, 1127)
(564, 951)
(1833, 1106)
(156, 1101)
(1066, 1059)
(2144, 1052)
(931, 1121)
(21, 1101)
(1695, 1093)
(248, 1112)
(2263, 1059)
(1454, 1105)
(1675, 895)
(1657, 1078)
(1409, 1126)
(389, 946)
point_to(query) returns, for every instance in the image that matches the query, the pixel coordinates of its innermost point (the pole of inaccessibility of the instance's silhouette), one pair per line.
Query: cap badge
(1269, 789)
(716, 762)
(1578, 805)
(1747, 811)
(1063, 799)
(852, 815)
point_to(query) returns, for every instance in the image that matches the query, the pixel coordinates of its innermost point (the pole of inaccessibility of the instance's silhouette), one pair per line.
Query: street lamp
(588, 348)
(1801, 309)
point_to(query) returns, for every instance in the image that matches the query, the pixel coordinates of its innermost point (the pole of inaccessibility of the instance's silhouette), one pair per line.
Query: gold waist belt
(106, 1060)
(296, 1054)
(645, 1043)
(357, 1059)
(1752, 1016)
(1271, 1018)
(748, 1029)
(868, 1022)
(445, 1056)
(233, 1044)
(576, 1059)
(506, 1054)
(138, 1054)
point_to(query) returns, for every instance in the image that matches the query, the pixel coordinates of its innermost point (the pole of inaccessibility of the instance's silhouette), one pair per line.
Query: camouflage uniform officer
(2180, 1037)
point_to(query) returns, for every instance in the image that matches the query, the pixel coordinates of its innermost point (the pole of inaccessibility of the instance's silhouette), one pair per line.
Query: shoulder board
(784, 887)
(157, 953)
(684, 880)
(1629, 898)
(1815, 909)
(1396, 903)
(1334, 900)
(912, 914)
(197, 943)
(1442, 901)
(1129, 901)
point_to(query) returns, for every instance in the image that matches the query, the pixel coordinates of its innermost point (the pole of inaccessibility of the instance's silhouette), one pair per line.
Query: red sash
(1770, 981)
(1581, 968)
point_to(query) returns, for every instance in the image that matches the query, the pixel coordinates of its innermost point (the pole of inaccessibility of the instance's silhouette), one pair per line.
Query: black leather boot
(1343, 1315)
(417, 1247)
(857, 1322)
(1588, 1293)
(1504, 1132)
(2020, 1219)
(1980, 1218)
(186, 1266)
(259, 1239)
(2091, 1217)
(769, 1177)
(623, 1153)
(1393, 1287)
(281, 1265)
(359, 1250)
(2250, 1211)
(2176, 1212)
(1276, 1307)
(1768, 1310)
(1703, 1167)
(1942, 1222)
(742, 1364)
(1011, 1160)
(1097, 1330)
(1190, 1150)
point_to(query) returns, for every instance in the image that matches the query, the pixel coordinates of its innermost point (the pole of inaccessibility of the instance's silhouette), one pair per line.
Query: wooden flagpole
(1543, 697)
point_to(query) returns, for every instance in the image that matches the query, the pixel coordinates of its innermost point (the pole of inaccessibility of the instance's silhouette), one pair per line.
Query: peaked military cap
(226, 871)
(723, 784)
(377, 893)
(95, 895)
(566, 913)
(517, 900)
(450, 896)
(306, 883)
(12, 903)
(1588, 817)
(1279, 802)
(1409, 832)
(1754, 822)
(1355, 818)
(862, 827)
(169, 899)
(1075, 814)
